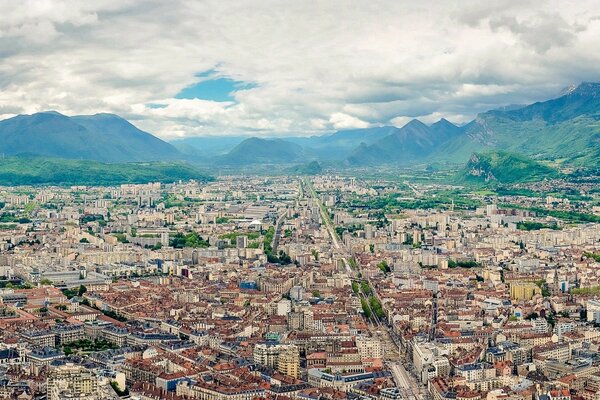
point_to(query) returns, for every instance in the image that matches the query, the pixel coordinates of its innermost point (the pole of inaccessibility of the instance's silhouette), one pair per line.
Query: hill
(412, 143)
(207, 146)
(312, 168)
(504, 167)
(341, 144)
(100, 137)
(566, 128)
(266, 151)
(54, 171)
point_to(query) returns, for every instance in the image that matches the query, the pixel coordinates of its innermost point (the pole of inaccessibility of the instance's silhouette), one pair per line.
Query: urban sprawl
(327, 287)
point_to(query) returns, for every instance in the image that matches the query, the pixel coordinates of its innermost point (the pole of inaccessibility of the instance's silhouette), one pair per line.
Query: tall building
(288, 362)
(242, 242)
(284, 358)
(593, 310)
(284, 306)
(524, 290)
(72, 382)
(369, 347)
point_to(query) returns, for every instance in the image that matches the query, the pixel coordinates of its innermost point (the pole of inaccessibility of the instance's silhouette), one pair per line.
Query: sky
(296, 67)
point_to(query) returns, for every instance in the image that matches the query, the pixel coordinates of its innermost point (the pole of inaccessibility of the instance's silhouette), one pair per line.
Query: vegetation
(535, 226)
(312, 168)
(384, 267)
(118, 391)
(88, 346)
(7, 217)
(280, 258)
(16, 171)
(365, 307)
(504, 167)
(70, 293)
(121, 237)
(463, 264)
(269, 235)
(442, 200)
(595, 256)
(234, 235)
(192, 239)
(544, 287)
(570, 216)
(24, 285)
(365, 288)
(376, 307)
(588, 291)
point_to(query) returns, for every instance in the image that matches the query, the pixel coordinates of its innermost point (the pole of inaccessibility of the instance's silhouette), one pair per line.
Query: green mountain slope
(54, 171)
(312, 168)
(504, 167)
(409, 144)
(566, 128)
(269, 151)
(101, 137)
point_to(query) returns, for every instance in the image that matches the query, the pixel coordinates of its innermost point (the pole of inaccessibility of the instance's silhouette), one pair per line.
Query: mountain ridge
(101, 137)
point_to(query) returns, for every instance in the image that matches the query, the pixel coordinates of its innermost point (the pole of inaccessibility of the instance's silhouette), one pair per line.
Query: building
(71, 381)
(368, 347)
(524, 290)
(284, 306)
(285, 358)
(593, 310)
(288, 361)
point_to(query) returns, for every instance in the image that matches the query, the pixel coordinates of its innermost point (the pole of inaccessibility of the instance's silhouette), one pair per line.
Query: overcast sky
(290, 67)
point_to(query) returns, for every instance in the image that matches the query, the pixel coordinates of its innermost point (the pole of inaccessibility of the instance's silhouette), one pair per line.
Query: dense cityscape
(299, 200)
(326, 287)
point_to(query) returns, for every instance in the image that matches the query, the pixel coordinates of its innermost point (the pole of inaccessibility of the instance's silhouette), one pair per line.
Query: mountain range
(565, 129)
(100, 137)
(497, 167)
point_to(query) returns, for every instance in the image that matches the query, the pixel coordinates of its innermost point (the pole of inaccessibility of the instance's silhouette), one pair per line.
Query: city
(296, 287)
(299, 200)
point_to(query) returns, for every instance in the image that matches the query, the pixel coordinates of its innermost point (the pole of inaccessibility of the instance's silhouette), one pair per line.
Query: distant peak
(568, 90)
(443, 121)
(414, 123)
(49, 113)
(588, 89)
(107, 115)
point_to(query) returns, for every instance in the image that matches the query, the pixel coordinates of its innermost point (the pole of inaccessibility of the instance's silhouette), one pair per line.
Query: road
(410, 389)
(409, 386)
(277, 234)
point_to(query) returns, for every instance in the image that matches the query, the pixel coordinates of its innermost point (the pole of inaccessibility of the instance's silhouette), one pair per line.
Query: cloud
(307, 67)
(344, 121)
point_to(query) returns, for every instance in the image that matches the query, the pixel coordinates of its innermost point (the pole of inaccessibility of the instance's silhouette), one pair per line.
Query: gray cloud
(316, 65)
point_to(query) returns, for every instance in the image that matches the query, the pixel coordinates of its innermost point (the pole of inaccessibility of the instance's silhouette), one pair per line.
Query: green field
(15, 171)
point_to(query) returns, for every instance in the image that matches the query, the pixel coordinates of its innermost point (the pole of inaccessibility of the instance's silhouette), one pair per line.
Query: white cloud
(317, 65)
(344, 121)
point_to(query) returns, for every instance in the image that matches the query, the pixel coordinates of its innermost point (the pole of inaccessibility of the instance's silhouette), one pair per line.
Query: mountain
(504, 167)
(444, 130)
(411, 143)
(266, 151)
(566, 128)
(30, 170)
(312, 168)
(207, 146)
(100, 137)
(341, 144)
